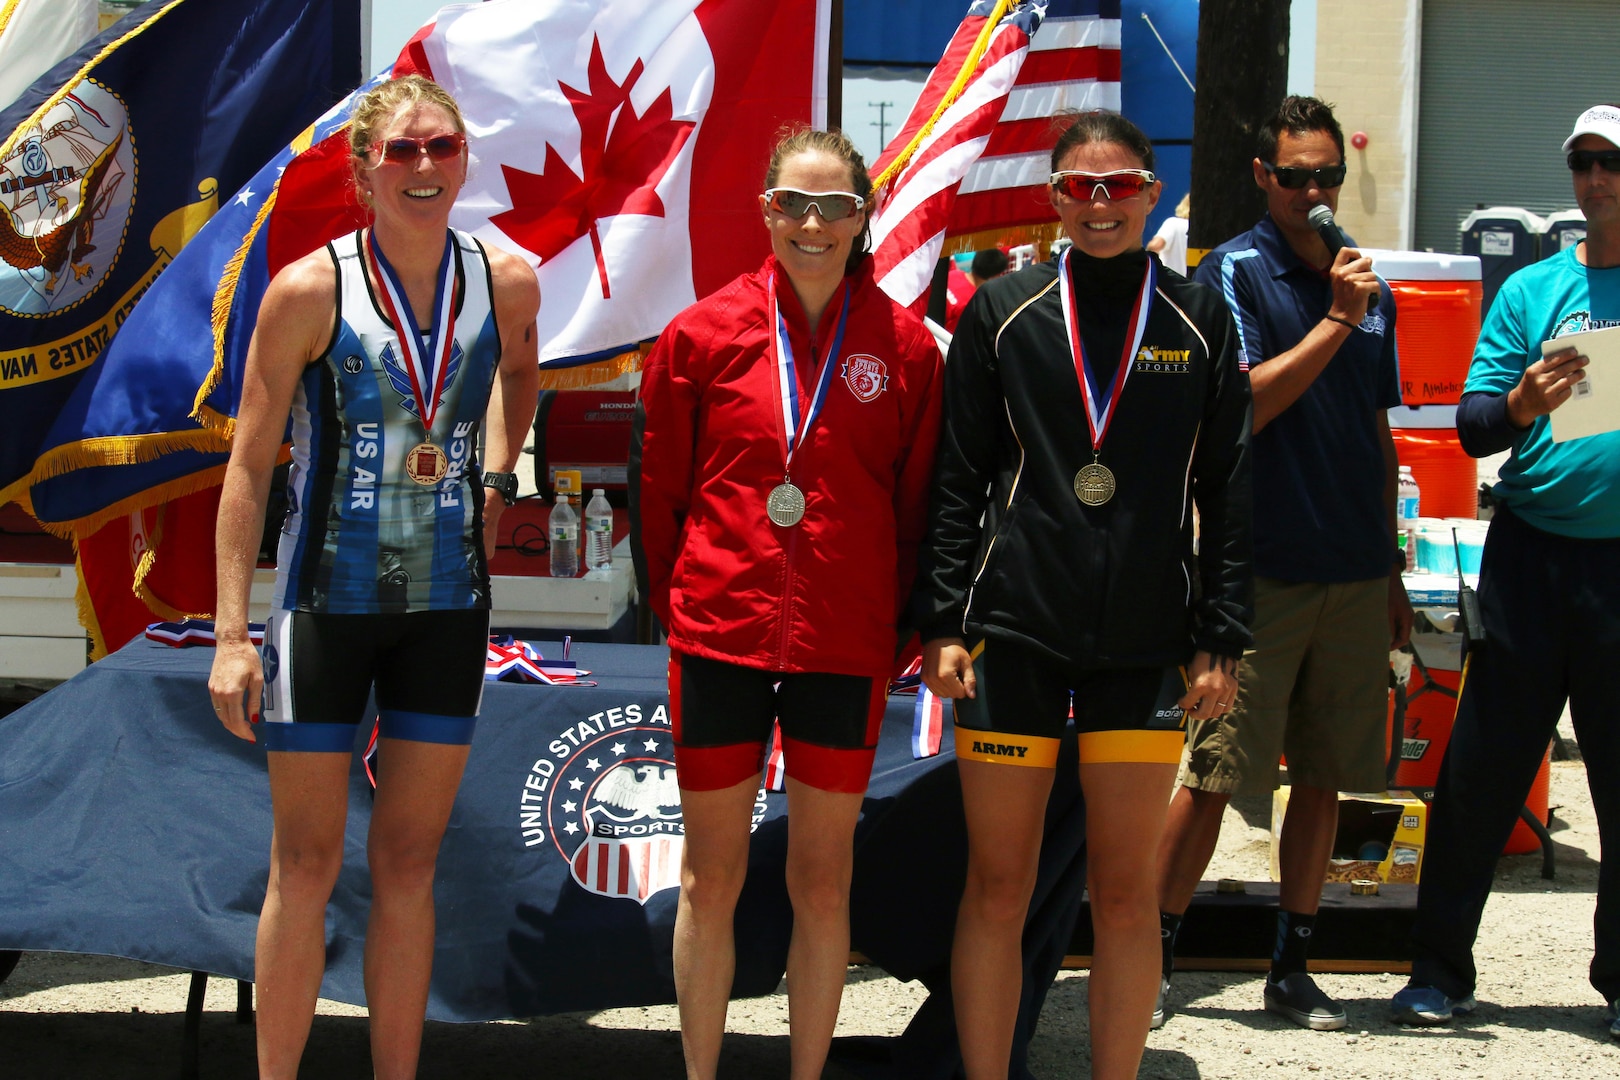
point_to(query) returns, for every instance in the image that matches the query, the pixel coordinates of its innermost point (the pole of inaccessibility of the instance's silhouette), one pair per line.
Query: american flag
(971, 162)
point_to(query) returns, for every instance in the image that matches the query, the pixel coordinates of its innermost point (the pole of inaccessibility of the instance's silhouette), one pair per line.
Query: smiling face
(1099, 226)
(423, 190)
(812, 249)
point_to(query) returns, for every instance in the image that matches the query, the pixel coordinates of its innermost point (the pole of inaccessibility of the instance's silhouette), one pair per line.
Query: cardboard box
(1390, 825)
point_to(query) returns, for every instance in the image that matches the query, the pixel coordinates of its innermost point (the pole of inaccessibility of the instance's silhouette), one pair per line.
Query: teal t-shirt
(1570, 488)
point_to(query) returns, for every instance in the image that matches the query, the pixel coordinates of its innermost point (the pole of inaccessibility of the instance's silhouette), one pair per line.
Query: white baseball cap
(1600, 120)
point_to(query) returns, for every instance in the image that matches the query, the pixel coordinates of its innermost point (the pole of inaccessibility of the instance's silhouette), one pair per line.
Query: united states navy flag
(116, 157)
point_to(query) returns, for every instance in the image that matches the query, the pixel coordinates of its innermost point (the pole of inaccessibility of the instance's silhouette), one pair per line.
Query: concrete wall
(1367, 67)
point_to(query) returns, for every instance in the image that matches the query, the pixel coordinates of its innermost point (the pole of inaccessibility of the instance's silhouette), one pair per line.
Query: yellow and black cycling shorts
(1023, 704)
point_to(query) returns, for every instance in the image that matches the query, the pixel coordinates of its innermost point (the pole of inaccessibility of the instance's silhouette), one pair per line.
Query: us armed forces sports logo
(604, 798)
(67, 185)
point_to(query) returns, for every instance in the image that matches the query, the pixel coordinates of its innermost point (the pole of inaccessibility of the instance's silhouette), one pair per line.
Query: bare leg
(1190, 835)
(416, 788)
(1126, 806)
(309, 797)
(1305, 847)
(1006, 808)
(821, 858)
(714, 863)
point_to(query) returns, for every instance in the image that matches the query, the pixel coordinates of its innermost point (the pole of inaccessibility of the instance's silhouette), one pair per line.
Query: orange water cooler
(1431, 707)
(1437, 304)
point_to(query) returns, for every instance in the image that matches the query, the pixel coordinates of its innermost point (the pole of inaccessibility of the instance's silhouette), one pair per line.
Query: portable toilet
(1504, 238)
(1564, 229)
(1438, 298)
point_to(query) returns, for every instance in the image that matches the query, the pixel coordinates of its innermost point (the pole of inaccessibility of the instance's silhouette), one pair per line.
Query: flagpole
(835, 67)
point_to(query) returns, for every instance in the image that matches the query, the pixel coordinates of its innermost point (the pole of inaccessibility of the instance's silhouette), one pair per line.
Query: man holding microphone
(1549, 592)
(1317, 329)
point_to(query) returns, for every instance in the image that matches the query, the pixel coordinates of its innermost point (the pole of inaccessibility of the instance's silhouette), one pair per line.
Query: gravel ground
(63, 1017)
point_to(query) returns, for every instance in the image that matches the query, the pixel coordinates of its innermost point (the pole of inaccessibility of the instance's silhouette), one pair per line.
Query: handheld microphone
(1321, 219)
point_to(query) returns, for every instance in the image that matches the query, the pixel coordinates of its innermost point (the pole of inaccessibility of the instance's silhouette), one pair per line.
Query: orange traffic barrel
(1437, 306)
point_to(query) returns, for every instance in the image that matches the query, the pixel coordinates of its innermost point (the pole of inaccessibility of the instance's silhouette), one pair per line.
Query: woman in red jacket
(786, 434)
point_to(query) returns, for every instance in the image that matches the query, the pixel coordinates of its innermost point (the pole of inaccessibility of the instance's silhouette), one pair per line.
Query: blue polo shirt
(1320, 512)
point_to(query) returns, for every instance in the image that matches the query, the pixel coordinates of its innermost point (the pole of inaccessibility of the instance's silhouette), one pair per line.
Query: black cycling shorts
(1025, 697)
(721, 715)
(427, 668)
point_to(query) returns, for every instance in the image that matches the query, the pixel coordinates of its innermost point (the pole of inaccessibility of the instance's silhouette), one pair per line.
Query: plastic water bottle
(1406, 513)
(598, 535)
(562, 530)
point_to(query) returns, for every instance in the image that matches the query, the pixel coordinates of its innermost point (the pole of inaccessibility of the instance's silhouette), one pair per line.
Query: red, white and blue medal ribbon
(1102, 401)
(927, 724)
(785, 504)
(188, 632)
(775, 765)
(427, 364)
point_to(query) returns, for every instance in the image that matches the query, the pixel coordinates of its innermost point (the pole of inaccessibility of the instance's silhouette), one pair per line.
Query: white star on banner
(651, 744)
(619, 748)
(569, 806)
(570, 828)
(593, 764)
(575, 784)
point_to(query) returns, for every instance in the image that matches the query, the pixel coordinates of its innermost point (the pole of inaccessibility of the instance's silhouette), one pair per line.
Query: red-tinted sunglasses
(1121, 184)
(404, 151)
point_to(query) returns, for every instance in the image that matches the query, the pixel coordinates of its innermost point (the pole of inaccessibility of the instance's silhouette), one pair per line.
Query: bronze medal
(785, 504)
(1094, 484)
(426, 464)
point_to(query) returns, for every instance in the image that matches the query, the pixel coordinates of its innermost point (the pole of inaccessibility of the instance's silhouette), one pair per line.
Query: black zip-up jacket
(1012, 553)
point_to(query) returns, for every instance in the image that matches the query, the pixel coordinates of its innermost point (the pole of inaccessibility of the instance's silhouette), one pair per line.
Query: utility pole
(1242, 77)
(882, 122)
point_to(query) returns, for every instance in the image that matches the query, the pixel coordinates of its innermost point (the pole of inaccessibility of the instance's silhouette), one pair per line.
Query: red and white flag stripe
(984, 163)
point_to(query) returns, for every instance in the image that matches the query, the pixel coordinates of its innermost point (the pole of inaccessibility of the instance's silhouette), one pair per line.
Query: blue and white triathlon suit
(379, 578)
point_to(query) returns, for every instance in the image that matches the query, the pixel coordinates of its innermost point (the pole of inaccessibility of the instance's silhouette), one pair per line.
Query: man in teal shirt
(1549, 593)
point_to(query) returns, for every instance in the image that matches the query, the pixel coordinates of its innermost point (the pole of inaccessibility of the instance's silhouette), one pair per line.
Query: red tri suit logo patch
(866, 376)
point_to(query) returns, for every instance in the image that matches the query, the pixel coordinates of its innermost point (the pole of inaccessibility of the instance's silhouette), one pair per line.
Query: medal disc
(785, 505)
(1094, 485)
(426, 464)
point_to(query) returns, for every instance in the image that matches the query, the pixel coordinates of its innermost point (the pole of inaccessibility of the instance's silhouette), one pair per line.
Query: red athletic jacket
(727, 583)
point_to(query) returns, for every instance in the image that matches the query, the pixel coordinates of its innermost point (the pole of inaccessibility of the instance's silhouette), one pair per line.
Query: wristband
(1330, 317)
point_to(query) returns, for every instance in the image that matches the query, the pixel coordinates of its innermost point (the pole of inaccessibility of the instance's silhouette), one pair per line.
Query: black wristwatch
(504, 482)
(1400, 558)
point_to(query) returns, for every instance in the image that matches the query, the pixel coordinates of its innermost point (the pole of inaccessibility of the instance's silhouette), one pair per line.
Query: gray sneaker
(1298, 998)
(1614, 1016)
(1160, 1012)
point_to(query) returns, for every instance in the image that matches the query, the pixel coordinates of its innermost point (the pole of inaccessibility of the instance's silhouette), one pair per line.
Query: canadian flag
(622, 145)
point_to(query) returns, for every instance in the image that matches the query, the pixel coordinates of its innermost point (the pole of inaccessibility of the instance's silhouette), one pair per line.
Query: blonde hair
(1184, 207)
(375, 108)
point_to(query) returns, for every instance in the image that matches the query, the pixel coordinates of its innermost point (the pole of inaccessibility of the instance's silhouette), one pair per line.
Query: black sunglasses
(1329, 176)
(1583, 160)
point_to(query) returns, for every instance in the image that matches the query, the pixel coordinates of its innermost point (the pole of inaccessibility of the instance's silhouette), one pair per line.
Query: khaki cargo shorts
(1315, 687)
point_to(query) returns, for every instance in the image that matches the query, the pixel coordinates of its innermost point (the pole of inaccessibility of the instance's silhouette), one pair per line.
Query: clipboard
(1594, 405)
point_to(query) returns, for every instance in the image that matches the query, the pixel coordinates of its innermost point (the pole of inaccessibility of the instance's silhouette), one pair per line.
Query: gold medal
(1094, 484)
(426, 464)
(785, 504)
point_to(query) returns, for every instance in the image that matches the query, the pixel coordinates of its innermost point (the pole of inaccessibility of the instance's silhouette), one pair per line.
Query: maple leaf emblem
(622, 155)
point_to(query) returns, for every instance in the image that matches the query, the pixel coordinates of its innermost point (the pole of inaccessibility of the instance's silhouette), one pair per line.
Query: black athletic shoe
(1298, 998)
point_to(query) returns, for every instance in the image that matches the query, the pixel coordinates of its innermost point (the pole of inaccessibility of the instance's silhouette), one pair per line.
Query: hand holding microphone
(1355, 286)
